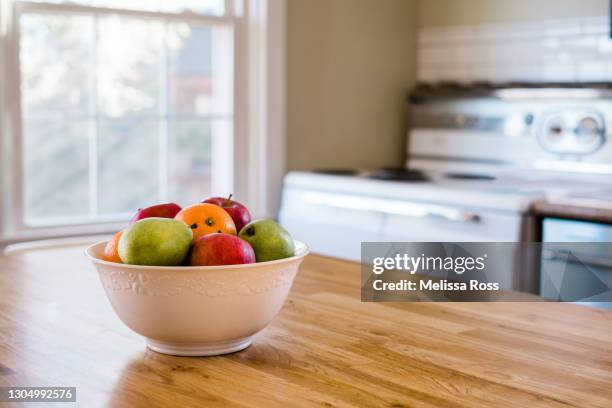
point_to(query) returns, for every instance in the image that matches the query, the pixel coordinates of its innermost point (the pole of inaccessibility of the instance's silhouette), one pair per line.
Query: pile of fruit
(217, 231)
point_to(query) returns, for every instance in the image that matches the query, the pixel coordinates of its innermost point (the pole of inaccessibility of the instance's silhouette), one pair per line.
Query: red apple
(168, 210)
(221, 249)
(239, 213)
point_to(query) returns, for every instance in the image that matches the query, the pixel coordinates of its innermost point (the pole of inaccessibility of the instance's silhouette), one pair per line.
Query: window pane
(128, 165)
(129, 66)
(190, 161)
(55, 169)
(147, 5)
(121, 112)
(200, 70)
(54, 58)
(209, 7)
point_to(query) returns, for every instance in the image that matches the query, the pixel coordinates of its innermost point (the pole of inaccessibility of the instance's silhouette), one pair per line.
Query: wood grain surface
(573, 212)
(326, 348)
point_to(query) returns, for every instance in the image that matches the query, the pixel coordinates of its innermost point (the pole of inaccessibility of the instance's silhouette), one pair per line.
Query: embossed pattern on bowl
(195, 308)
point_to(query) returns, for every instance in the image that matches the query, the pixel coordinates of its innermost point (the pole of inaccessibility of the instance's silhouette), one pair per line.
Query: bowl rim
(304, 250)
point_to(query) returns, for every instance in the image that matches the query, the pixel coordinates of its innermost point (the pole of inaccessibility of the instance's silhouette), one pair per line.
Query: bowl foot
(199, 349)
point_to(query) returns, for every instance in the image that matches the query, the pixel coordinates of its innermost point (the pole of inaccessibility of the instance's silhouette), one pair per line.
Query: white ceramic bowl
(197, 310)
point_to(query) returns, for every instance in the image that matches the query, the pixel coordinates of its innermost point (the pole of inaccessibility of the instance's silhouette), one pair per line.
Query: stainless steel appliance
(478, 157)
(570, 270)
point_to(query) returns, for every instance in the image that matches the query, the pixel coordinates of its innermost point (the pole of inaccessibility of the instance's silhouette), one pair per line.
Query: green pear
(269, 240)
(155, 241)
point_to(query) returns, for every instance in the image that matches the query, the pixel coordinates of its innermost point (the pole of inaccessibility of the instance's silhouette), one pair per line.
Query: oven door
(335, 224)
(454, 224)
(331, 224)
(441, 223)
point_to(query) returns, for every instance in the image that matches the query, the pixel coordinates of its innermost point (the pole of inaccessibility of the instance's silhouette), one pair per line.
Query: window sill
(68, 232)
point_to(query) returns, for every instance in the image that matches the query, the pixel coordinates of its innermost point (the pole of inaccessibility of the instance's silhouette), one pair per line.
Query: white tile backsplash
(557, 50)
(562, 28)
(559, 72)
(595, 25)
(595, 70)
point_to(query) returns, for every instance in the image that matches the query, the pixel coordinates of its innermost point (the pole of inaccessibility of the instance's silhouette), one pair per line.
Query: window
(123, 104)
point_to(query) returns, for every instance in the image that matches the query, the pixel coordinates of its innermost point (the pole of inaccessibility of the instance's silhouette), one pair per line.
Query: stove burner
(469, 176)
(398, 174)
(337, 172)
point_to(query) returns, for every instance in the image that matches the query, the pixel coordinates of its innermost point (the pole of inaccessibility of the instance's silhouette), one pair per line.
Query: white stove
(476, 163)
(336, 213)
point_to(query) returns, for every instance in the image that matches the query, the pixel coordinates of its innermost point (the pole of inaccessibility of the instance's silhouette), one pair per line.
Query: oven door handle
(458, 216)
(579, 259)
(434, 211)
(391, 207)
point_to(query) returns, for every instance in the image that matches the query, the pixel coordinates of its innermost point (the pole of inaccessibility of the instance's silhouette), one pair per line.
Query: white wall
(518, 40)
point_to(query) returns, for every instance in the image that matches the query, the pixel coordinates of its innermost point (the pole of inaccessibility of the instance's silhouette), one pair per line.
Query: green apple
(269, 240)
(155, 241)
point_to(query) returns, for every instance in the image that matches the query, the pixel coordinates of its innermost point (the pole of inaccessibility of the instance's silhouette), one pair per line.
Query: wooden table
(325, 348)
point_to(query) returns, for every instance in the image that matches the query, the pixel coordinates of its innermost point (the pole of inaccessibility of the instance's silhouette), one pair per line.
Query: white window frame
(259, 113)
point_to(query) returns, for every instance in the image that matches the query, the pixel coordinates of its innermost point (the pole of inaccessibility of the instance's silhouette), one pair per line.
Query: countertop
(573, 211)
(326, 347)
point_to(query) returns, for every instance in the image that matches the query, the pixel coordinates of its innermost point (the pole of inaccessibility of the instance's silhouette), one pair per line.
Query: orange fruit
(111, 250)
(204, 218)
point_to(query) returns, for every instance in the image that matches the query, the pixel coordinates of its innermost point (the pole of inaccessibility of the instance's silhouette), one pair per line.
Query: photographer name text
(423, 264)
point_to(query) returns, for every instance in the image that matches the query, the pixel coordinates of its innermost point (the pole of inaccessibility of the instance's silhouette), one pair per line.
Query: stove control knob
(573, 132)
(555, 130)
(588, 130)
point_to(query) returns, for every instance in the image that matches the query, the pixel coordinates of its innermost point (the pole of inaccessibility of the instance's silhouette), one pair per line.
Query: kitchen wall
(350, 64)
(445, 13)
(519, 40)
